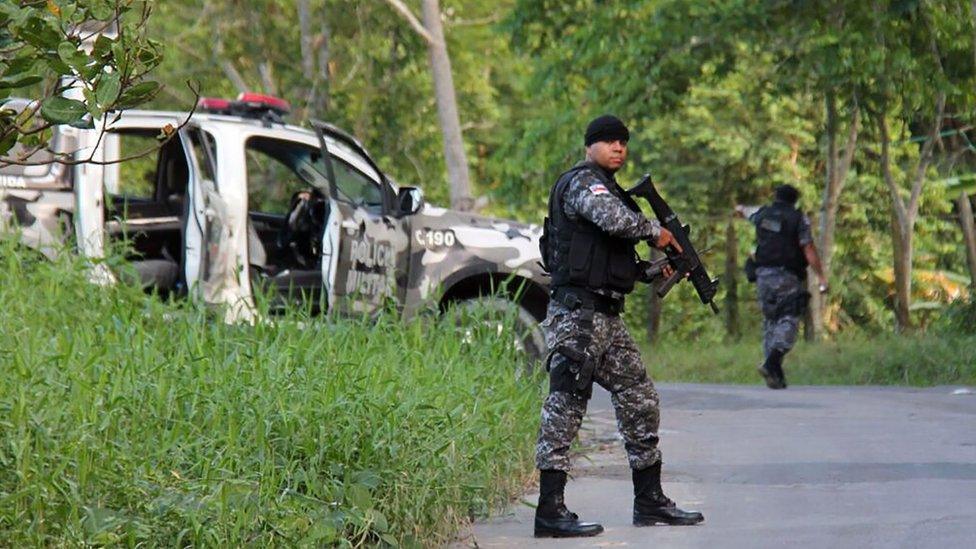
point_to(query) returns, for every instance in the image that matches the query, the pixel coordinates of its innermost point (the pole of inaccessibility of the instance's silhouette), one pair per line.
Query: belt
(575, 298)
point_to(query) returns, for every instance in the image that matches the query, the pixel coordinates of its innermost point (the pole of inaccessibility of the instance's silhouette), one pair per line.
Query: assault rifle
(685, 263)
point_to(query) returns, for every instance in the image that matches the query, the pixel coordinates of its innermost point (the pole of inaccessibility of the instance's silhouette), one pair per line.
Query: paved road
(806, 467)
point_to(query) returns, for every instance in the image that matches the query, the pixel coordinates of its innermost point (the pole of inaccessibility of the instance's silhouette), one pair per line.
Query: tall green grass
(935, 358)
(125, 420)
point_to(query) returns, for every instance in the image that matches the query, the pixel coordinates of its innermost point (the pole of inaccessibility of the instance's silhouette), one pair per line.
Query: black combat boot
(772, 370)
(552, 518)
(651, 506)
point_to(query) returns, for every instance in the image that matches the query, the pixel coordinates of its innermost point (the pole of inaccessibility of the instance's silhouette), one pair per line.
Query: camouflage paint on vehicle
(449, 246)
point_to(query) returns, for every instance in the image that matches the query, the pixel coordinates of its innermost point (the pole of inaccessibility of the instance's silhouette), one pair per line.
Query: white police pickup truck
(236, 198)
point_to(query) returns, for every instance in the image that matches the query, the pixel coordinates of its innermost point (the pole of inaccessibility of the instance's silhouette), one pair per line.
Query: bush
(127, 420)
(959, 317)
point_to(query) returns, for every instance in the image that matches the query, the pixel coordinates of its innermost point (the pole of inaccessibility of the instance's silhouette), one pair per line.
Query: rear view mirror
(409, 201)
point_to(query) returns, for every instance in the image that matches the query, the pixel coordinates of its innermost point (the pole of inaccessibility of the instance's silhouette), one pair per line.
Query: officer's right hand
(665, 238)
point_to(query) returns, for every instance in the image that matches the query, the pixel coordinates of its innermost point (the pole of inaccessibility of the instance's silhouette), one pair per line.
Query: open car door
(365, 248)
(210, 264)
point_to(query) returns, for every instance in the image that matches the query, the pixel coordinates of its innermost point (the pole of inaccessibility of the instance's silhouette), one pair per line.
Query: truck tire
(529, 340)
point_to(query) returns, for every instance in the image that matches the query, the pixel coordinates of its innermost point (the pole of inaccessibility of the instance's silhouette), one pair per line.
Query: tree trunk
(233, 75)
(837, 169)
(459, 181)
(305, 38)
(903, 215)
(306, 42)
(732, 331)
(267, 78)
(902, 263)
(813, 320)
(322, 99)
(968, 233)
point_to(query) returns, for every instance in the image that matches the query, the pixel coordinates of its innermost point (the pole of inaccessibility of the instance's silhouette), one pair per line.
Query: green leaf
(101, 10)
(367, 478)
(68, 10)
(8, 142)
(92, 103)
(58, 66)
(358, 496)
(380, 524)
(120, 57)
(83, 123)
(69, 53)
(107, 89)
(137, 94)
(19, 65)
(102, 47)
(40, 33)
(62, 110)
(21, 82)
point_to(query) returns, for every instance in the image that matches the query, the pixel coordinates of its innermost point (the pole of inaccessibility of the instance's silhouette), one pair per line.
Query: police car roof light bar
(248, 105)
(260, 100)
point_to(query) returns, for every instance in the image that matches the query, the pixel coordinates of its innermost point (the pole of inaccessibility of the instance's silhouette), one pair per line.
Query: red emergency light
(213, 104)
(259, 100)
(247, 104)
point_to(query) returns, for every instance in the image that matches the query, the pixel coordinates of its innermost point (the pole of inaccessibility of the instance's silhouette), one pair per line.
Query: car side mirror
(409, 201)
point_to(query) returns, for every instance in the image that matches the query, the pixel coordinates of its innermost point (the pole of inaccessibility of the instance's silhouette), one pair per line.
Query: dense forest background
(866, 107)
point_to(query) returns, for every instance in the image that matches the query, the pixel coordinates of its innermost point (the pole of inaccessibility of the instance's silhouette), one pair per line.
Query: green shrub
(127, 420)
(959, 317)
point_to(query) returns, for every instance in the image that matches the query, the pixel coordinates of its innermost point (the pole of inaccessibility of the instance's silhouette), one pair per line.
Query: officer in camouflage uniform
(589, 250)
(784, 248)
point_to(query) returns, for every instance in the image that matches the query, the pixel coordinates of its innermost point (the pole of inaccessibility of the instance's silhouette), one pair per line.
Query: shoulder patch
(598, 188)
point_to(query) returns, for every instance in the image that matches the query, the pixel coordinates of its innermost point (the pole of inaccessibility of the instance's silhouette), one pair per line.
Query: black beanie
(787, 193)
(606, 128)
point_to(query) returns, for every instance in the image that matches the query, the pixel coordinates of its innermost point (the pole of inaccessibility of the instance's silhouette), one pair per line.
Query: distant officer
(784, 248)
(589, 249)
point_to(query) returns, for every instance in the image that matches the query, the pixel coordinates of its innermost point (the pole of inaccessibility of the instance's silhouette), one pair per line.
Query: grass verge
(923, 360)
(125, 420)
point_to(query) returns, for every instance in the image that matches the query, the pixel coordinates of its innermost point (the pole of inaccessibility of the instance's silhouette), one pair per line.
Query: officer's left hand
(665, 239)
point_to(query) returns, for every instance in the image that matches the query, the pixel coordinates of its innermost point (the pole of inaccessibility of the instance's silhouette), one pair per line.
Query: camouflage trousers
(619, 370)
(777, 289)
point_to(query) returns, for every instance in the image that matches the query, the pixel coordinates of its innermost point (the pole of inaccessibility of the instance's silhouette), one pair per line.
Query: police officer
(784, 248)
(589, 250)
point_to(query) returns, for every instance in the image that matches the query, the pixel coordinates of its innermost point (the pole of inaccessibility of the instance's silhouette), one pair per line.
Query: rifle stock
(686, 263)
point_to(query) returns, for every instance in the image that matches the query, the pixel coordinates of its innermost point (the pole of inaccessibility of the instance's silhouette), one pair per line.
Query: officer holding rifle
(589, 244)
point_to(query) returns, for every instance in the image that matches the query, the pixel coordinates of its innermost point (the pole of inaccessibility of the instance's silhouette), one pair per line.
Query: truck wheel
(527, 339)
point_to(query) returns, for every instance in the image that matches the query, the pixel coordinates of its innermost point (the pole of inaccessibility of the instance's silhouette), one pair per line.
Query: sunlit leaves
(98, 48)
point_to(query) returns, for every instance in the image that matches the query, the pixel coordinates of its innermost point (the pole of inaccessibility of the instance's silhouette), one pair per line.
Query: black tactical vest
(587, 256)
(778, 238)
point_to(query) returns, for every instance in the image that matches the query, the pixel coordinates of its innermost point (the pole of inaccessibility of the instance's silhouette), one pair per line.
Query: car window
(137, 176)
(354, 186)
(205, 150)
(277, 169)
